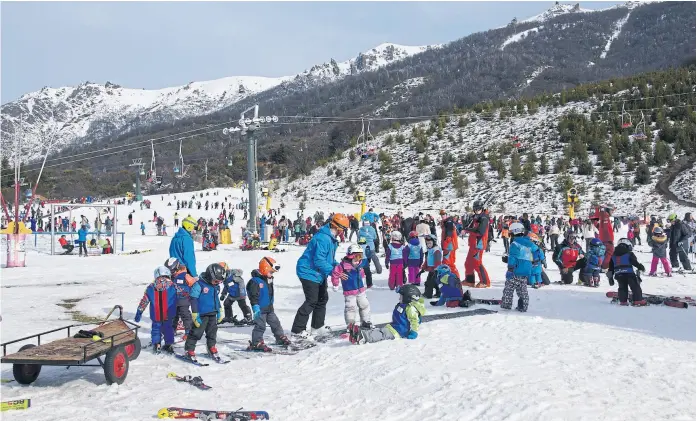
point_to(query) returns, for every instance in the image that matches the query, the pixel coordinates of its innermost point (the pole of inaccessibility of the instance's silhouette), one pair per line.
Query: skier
(449, 243)
(82, 240)
(396, 255)
(538, 260)
(353, 287)
(260, 290)
(621, 268)
(142, 228)
(478, 239)
(659, 244)
(415, 258)
(406, 318)
(590, 274)
(368, 257)
(182, 245)
(234, 290)
(434, 258)
(162, 297)
(679, 243)
(206, 310)
(184, 282)
(450, 288)
(519, 262)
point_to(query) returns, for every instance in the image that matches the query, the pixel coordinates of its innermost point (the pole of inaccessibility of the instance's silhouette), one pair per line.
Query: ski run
(572, 356)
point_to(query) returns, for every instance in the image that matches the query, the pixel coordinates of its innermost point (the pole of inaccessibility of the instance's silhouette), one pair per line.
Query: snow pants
(160, 329)
(609, 249)
(589, 279)
(664, 261)
(316, 298)
(360, 301)
(266, 316)
(353, 231)
(241, 302)
(413, 275)
(209, 326)
(377, 335)
(184, 314)
(450, 261)
(431, 284)
(626, 281)
(82, 247)
(506, 244)
(554, 241)
(519, 285)
(535, 278)
(679, 251)
(396, 278)
(473, 264)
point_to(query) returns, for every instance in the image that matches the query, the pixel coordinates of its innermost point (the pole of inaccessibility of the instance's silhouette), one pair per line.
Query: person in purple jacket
(415, 258)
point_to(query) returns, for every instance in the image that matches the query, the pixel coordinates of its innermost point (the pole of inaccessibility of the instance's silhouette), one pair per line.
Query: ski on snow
(194, 381)
(677, 302)
(185, 358)
(203, 414)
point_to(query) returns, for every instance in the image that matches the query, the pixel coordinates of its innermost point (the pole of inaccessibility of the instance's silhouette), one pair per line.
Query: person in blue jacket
(206, 311)
(82, 239)
(260, 291)
(162, 297)
(538, 260)
(450, 288)
(370, 216)
(182, 245)
(368, 232)
(519, 261)
(313, 269)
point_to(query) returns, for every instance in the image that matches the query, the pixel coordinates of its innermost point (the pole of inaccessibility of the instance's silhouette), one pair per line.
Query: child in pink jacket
(353, 286)
(396, 256)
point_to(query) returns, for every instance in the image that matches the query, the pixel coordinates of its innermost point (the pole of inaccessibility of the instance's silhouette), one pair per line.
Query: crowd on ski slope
(411, 249)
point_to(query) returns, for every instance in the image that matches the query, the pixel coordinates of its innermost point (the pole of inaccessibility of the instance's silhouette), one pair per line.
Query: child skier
(206, 311)
(184, 282)
(450, 288)
(354, 289)
(369, 256)
(406, 318)
(162, 295)
(621, 268)
(434, 258)
(415, 258)
(395, 259)
(659, 243)
(519, 262)
(142, 228)
(590, 274)
(234, 290)
(538, 260)
(260, 292)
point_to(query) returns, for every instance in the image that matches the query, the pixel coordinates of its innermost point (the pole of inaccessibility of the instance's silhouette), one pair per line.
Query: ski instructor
(313, 268)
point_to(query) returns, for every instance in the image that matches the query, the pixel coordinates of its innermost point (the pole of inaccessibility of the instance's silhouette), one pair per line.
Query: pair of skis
(203, 414)
(215, 358)
(677, 302)
(194, 381)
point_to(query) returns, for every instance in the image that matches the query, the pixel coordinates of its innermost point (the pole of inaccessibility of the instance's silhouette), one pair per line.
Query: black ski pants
(242, 302)
(316, 298)
(568, 277)
(83, 247)
(553, 241)
(183, 313)
(506, 243)
(431, 285)
(209, 326)
(368, 276)
(679, 251)
(627, 281)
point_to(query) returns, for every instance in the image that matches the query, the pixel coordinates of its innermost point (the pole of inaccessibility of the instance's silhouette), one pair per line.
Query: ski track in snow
(573, 356)
(519, 36)
(616, 33)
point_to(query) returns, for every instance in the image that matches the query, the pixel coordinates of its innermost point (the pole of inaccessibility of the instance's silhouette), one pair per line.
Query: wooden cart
(119, 344)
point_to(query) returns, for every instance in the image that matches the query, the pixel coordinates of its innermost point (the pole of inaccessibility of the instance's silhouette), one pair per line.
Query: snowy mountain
(93, 111)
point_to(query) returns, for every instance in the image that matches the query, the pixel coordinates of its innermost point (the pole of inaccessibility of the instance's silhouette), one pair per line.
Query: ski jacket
(184, 282)
(204, 298)
(317, 262)
(623, 262)
(396, 253)
(162, 297)
(606, 232)
(659, 246)
(371, 217)
(368, 233)
(590, 231)
(182, 247)
(538, 260)
(679, 233)
(82, 235)
(406, 317)
(520, 256)
(566, 255)
(450, 287)
(354, 285)
(260, 291)
(415, 257)
(423, 229)
(434, 258)
(593, 262)
(479, 232)
(234, 286)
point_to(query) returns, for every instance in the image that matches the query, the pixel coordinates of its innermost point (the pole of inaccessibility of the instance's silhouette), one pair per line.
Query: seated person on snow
(65, 245)
(162, 297)
(406, 318)
(450, 288)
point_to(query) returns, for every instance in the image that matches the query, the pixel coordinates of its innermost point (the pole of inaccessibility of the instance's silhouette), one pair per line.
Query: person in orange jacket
(478, 239)
(449, 243)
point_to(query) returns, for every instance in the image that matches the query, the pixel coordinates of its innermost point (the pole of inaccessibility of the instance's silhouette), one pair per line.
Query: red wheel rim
(120, 365)
(130, 349)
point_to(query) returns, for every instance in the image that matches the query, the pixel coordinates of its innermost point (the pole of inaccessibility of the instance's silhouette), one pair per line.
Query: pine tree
(661, 153)
(352, 155)
(630, 165)
(393, 196)
(515, 166)
(462, 122)
(606, 159)
(543, 164)
(529, 171)
(436, 192)
(419, 194)
(459, 183)
(643, 174)
(479, 172)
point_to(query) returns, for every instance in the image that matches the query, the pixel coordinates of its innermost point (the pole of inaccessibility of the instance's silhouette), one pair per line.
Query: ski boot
(354, 333)
(191, 356)
(639, 303)
(213, 353)
(366, 325)
(624, 303)
(247, 321)
(156, 348)
(232, 320)
(653, 274)
(482, 285)
(283, 340)
(168, 349)
(259, 347)
(322, 331)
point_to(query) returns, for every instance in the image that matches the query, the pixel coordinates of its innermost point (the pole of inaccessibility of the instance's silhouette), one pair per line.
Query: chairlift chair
(176, 169)
(628, 122)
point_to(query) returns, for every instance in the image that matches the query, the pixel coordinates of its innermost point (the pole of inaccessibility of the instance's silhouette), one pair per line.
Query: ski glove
(412, 335)
(139, 315)
(196, 319)
(509, 275)
(256, 310)
(220, 315)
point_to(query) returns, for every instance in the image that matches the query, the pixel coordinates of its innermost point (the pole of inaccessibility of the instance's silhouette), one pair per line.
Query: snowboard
(194, 381)
(203, 414)
(677, 302)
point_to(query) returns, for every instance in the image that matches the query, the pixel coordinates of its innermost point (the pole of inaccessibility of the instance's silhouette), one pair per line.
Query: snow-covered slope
(542, 195)
(67, 114)
(558, 361)
(557, 10)
(616, 33)
(684, 185)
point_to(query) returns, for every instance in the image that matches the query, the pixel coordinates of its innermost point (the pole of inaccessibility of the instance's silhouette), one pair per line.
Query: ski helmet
(533, 237)
(658, 231)
(214, 274)
(672, 217)
(396, 236)
(517, 229)
(596, 242)
(268, 266)
(189, 224)
(409, 293)
(354, 249)
(442, 270)
(340, 221)
(570, 237)
(162, 271)
(432, 238)
(362, 240)
(172, 264)
(477, 205)
(626, 242)
(413, 234)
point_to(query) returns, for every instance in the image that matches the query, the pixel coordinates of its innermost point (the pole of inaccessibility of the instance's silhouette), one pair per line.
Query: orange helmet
(442, 212)
(532, 236)
(340, 220)
(268, 266)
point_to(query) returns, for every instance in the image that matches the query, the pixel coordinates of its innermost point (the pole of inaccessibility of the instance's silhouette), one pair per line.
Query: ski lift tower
(247, 127)
(139, 164)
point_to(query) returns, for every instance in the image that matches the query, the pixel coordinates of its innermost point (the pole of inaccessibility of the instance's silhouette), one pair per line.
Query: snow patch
(519, 36)
(616, 33)
(684, 185)
(535, 74)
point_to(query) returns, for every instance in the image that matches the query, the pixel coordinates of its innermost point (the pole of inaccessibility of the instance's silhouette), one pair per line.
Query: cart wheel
(26, 373)
(133, 350)
(116, 366)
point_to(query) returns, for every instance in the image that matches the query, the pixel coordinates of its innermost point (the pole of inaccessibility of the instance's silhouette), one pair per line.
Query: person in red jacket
(478, 239)
(606, 234)
(449, 244)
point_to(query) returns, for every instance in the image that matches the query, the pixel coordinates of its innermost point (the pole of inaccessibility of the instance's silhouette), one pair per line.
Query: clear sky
(159, 44)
